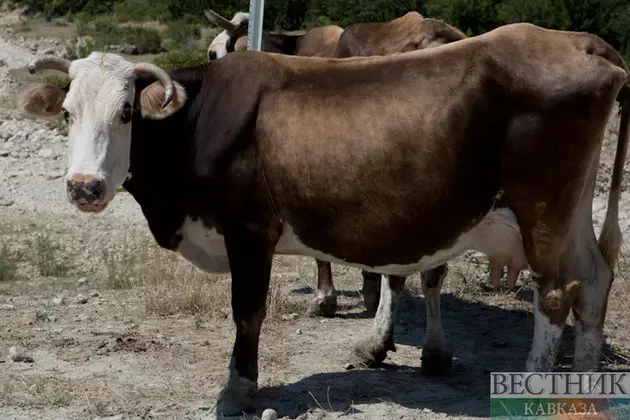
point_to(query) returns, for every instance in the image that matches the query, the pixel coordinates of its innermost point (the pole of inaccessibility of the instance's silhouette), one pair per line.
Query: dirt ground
(110, 325)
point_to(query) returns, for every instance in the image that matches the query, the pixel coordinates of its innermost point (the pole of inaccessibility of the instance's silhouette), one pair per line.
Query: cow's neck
(280, 43)
(159, 162)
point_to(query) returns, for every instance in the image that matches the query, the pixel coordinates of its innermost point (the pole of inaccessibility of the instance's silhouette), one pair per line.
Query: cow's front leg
(250, 256)
(372, 350)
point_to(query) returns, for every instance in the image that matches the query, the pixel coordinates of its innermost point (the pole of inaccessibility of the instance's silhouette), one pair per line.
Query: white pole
(254, 31)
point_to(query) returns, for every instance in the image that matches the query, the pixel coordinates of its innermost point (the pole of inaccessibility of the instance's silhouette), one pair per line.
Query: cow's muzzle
(87, 192)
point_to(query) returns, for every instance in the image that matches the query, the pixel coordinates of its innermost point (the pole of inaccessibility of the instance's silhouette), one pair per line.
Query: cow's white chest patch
(203, 247)
(497, 235)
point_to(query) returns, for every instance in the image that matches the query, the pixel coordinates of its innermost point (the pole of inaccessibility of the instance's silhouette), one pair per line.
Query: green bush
(183, 35)
(146, 39)
(60, 81)
(102, 29)
(76, 49)
(177, 59)
(141, 10)
(105, 31)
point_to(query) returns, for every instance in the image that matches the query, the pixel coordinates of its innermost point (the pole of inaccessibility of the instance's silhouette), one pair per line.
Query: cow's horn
(218, 20)
(52, 63)
(162, 76)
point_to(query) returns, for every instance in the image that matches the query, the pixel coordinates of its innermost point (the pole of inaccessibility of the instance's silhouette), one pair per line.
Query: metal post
(254, 31)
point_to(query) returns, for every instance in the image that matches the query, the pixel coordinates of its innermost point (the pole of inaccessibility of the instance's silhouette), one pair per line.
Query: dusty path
(128, 330)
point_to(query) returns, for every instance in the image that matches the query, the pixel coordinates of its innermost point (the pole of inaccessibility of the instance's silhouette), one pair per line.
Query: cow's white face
(218, 47)
(234, 28)
(98, 107)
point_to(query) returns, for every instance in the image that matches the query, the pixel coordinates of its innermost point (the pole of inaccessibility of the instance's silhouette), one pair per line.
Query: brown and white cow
(317, 42)
(394, 165)
(407, 33)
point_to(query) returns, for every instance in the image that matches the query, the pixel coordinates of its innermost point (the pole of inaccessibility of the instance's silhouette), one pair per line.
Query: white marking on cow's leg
(237, 394)
(589, 311)
(436, 359)
(588, 347)
(325, 301)
(547, 336)
(372, 350)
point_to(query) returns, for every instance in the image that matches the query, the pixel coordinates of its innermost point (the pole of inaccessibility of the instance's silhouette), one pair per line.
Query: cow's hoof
(436, 363)
(237, 397)
(371, 352)
(323, 306)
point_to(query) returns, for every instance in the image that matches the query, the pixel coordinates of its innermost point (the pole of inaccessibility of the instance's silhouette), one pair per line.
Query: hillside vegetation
(181, 21)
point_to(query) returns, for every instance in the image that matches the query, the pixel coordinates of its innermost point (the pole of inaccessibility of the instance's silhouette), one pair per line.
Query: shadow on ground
(483, 339)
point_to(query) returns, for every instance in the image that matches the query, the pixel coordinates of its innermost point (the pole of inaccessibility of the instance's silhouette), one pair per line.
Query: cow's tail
(610, 238)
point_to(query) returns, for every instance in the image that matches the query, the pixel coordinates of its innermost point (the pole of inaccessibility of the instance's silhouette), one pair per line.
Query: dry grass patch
(47, 257)
(9, 263)
(171, 286)
(48, 391)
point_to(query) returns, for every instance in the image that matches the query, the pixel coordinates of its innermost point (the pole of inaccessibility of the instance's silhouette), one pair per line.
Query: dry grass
(9, 263)
(49, 391)
(47, 257)
(169, 286)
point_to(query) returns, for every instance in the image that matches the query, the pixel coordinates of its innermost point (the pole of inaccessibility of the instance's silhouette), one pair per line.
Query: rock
(82, 299)
(4, 153)
(269, 414)
(7, 307)
(58, 300)
(128, 49)
(94, 294)
(290, 317)
(18, 354)
(427, 410)
(45, 153)
(82, 280)
(34, 48)
(49, 51)
(299, 332)
(53, 176)
(33, 389)
(5, 202)
(19, 174)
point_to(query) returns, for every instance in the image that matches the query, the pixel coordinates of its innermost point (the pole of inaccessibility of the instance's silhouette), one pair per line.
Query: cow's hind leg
(436, 359)
(325, 301)
(371, 290)
(590, 307)
(372, 350)
(250, 264)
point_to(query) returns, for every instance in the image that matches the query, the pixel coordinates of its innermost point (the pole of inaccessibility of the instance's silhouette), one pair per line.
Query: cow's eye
(66, 114)
(127, 113)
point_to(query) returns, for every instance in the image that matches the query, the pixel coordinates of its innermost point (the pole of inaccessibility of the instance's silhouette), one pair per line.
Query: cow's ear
(44, 100)
(152, 97)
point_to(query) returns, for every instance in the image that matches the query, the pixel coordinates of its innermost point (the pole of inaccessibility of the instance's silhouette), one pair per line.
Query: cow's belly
(497, 235)
(203, 247)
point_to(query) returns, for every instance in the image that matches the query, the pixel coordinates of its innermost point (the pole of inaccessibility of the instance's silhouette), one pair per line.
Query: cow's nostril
(212, 55)
(91, 190)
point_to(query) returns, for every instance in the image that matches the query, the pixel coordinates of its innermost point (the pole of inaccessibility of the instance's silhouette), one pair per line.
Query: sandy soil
(116, 327)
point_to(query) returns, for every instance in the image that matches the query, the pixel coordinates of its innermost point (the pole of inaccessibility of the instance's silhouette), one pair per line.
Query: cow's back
(319, 42)
(407, 33)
